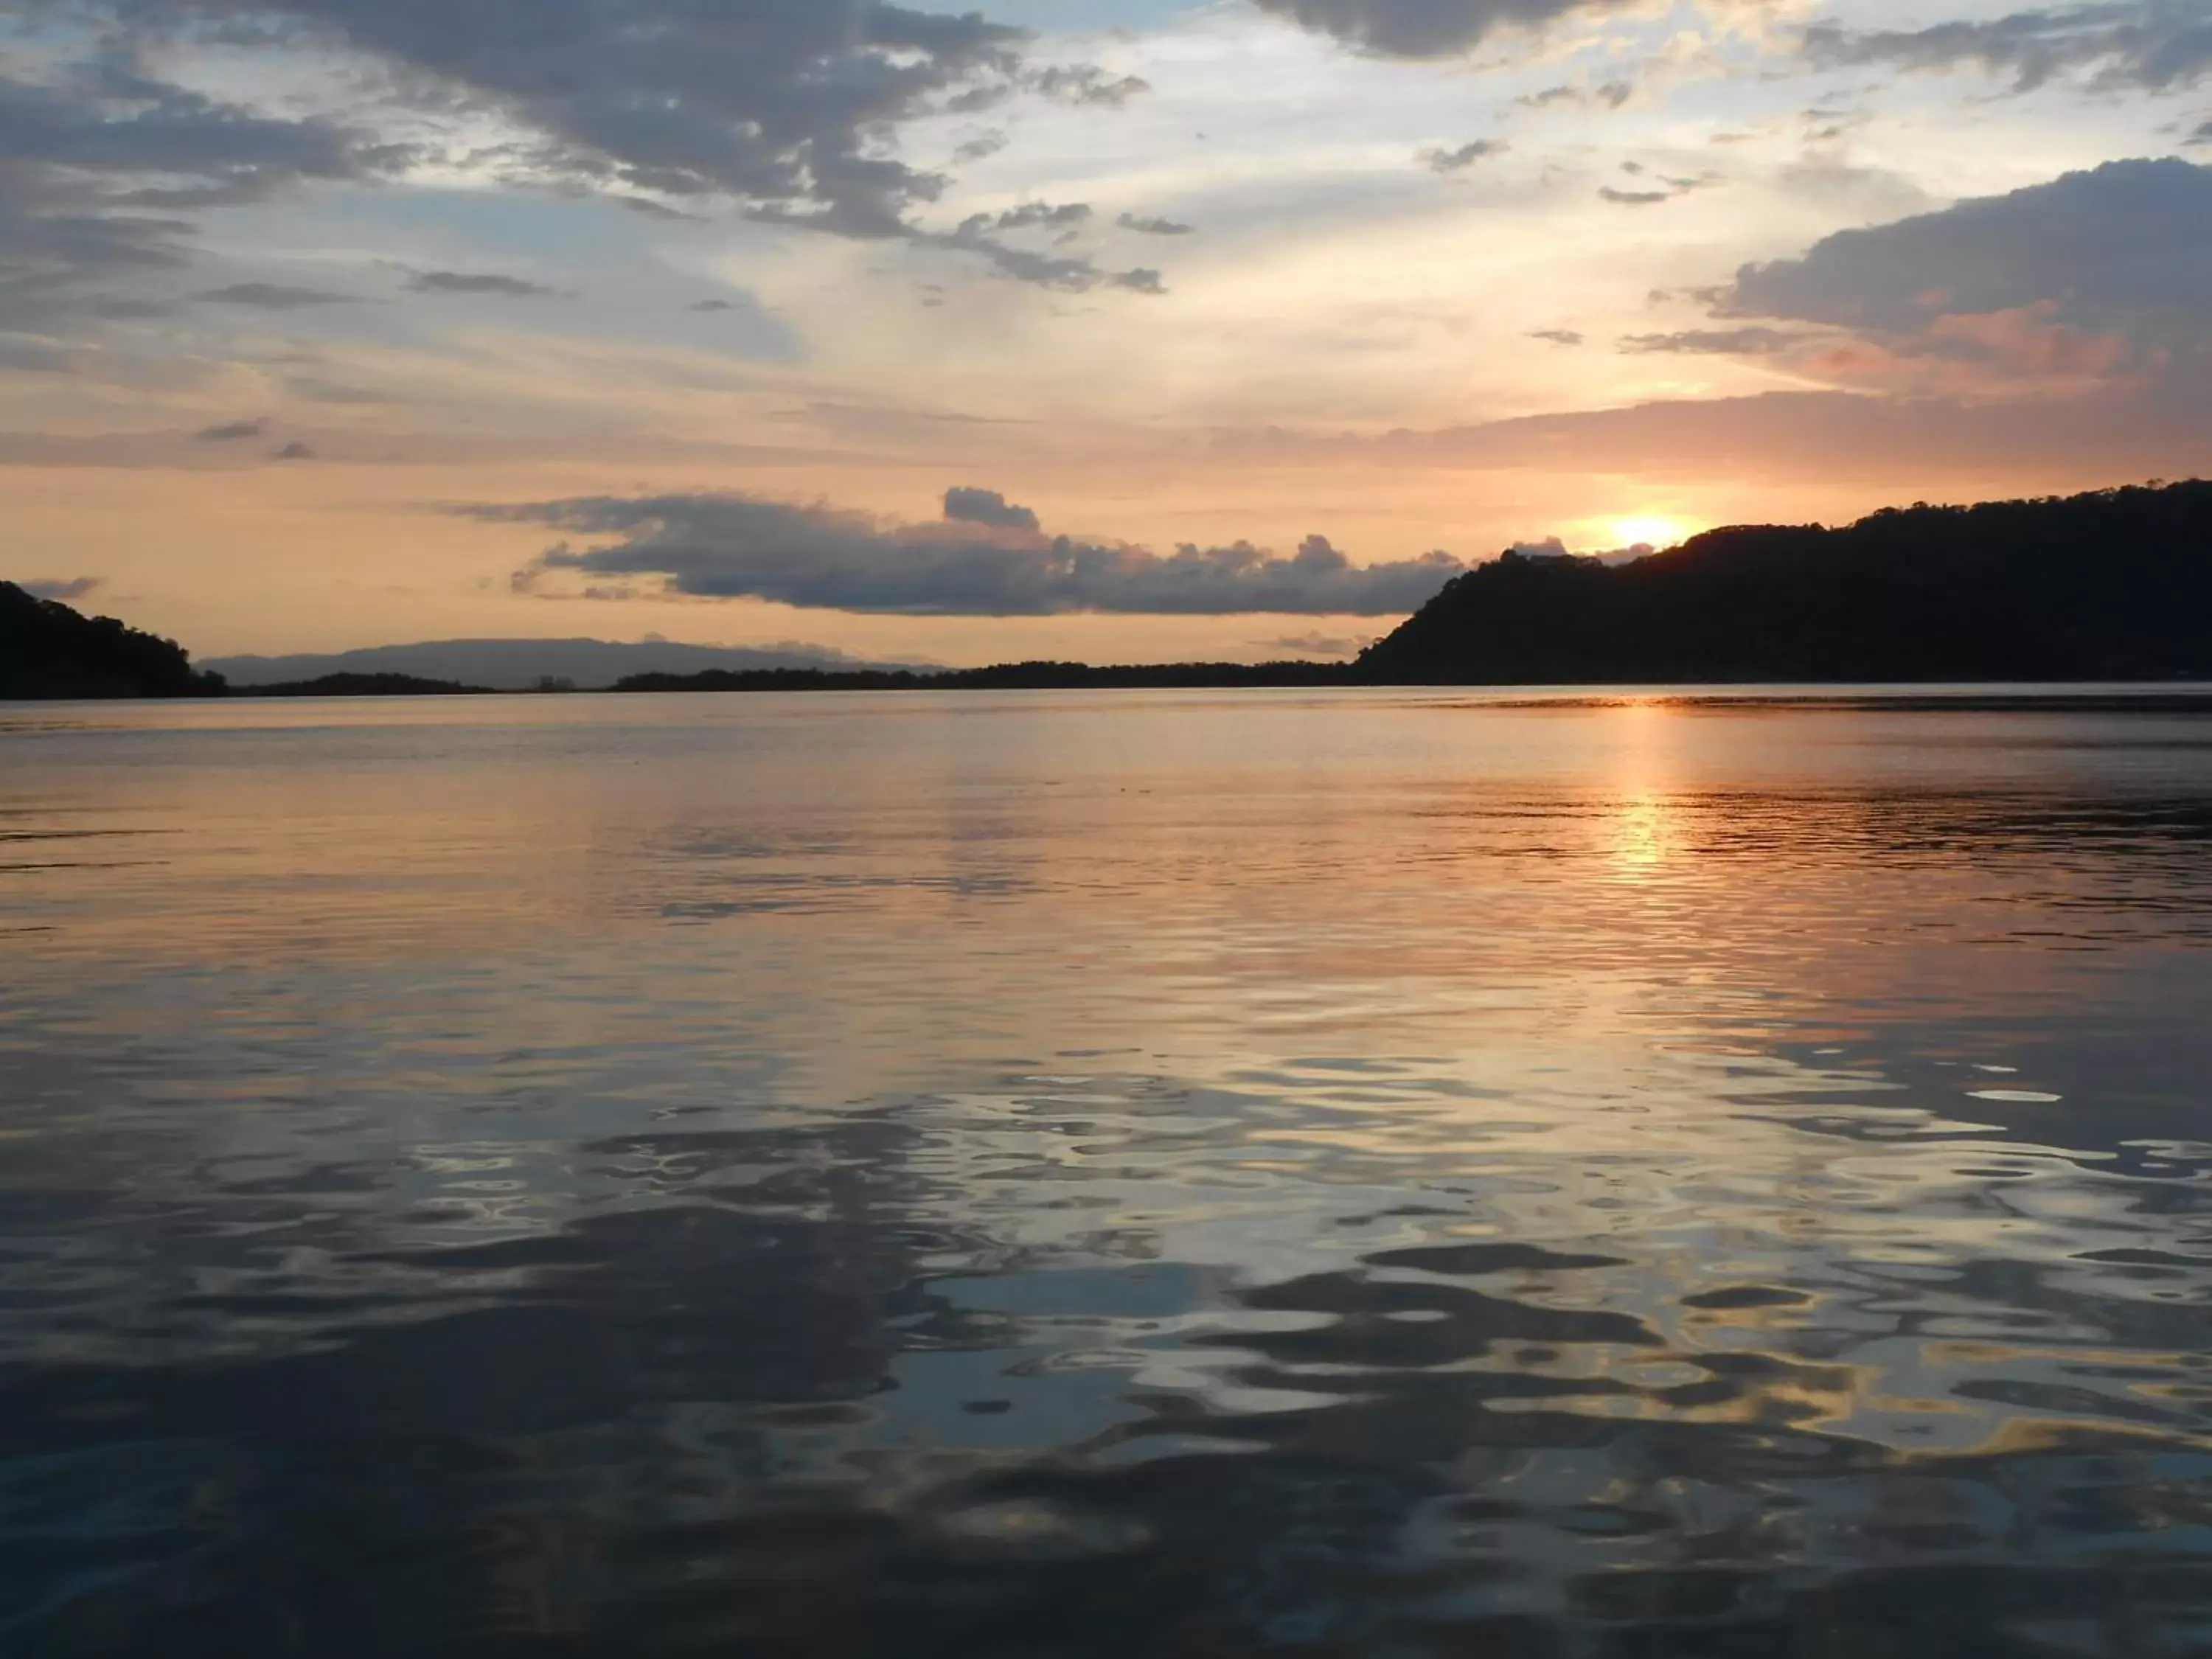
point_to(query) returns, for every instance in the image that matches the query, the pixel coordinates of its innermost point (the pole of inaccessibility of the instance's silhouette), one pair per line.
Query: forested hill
(2116, 585)
(48, 650)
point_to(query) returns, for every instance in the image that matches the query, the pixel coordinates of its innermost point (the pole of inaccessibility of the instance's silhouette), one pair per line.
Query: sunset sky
(1122, 330)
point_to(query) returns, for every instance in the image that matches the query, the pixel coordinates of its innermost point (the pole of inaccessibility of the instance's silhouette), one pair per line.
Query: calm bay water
(1355, 1174)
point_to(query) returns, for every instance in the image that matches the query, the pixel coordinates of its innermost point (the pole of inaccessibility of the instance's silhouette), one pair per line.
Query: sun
(1650, 528)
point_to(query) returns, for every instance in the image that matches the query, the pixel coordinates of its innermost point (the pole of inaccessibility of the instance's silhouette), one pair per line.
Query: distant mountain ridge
(521, 665)
(2115, 585)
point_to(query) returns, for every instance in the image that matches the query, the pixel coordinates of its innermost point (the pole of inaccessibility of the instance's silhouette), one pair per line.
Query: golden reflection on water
(1648, 1126)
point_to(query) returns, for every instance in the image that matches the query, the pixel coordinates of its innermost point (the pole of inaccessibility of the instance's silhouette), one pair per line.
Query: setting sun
(1649, 529)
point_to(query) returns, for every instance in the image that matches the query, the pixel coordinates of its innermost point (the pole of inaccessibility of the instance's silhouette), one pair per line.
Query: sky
(1118, 329)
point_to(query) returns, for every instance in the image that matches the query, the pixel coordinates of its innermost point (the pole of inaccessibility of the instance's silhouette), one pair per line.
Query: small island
(363, 685)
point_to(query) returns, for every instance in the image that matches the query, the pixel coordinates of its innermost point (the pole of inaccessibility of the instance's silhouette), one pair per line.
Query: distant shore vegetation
(2111, 585)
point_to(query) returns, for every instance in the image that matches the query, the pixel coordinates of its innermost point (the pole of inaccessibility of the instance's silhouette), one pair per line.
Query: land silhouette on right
(2116, 584)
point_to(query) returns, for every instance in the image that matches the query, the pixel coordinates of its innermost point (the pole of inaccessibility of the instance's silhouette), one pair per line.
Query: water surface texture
(1068, 1175)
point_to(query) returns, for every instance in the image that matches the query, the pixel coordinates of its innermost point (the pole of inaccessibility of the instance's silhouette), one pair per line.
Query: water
(1147, 1173)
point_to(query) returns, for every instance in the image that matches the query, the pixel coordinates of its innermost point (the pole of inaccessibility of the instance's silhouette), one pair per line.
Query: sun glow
(1647, 528)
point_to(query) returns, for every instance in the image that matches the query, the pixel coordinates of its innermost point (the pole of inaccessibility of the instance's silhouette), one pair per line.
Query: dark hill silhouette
(2112, 586)
(49, 650)
(1003, 677)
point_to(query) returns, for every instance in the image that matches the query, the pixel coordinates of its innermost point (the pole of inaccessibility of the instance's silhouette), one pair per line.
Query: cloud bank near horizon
(985, 557)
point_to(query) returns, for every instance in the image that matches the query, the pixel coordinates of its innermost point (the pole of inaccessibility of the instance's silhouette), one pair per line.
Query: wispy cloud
(1462, 157)
(489, 284)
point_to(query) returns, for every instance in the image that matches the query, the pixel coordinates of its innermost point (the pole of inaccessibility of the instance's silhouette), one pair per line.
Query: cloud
(979, 234)
(2096, 283)
(1751, 340)
(2152, 45)
(491, 283)
(1550, 547)
(1455, 161)
(1671, 187)
(1029, 216)
(2125, 246)
(783, 107)
(773, 102)
(100, 162)
(652, 209)
(29, 354)
(1612, 94)
(1087, 84)
(967, 506)
(1559, 337)
(274, 296)
(294, 451)
(63, 588)
(1318, 645)
(728, 546)
(1145, 227)
(232, 431)
(1420, 28)
(1899, 446)
(981, 148)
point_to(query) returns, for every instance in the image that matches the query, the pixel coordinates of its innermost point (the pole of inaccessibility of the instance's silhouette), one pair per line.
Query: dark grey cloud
(1151, 227)
(485, 283)
(781, 106)
(274, 296)
(1029, 216)
(969, 506)
(2202, 136)
(1464, 157)
(294, 451)
(1420, 28)
(981, 148)
(61, 587)
(232, 431)
(100, 164)
(2126, 246)
(733, 546)
(773, 101)
(1559, 337)
(1086, 84)
(1749, 341)
(2155, 44)
(175, 147)
(1635, 198)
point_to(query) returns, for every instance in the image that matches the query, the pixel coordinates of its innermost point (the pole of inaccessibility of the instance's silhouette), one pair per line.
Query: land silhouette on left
(48, 650)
